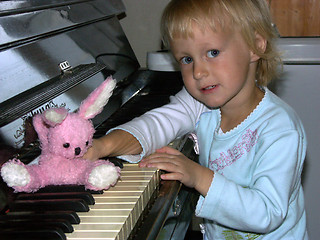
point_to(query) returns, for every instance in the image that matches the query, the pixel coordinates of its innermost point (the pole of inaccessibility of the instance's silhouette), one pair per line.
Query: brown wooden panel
(296, 17)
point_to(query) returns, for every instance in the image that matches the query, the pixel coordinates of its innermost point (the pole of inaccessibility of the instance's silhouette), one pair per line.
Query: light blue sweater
(256, 191)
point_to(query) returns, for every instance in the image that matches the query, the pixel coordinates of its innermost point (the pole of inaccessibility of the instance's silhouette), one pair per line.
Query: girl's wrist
(204, 181)
(101, 147)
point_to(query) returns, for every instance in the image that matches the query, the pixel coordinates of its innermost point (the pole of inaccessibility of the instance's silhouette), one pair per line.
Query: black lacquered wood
(77, 205)
(86, 196)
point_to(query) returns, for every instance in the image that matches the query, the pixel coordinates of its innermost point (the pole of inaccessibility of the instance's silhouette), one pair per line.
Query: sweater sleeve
(160, 126)
(262, 206)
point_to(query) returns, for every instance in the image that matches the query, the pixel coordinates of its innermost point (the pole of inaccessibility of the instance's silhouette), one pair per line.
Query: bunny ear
(54, 116)
(94, 103)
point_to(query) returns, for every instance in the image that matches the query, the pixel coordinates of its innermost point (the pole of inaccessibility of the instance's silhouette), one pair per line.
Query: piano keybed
(111, 214)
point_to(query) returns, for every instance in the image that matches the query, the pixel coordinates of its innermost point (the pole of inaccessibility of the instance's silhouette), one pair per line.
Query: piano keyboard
(69, 212)
(116, 211)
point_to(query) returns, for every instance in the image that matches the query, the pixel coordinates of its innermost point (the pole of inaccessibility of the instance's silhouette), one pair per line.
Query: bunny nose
(77, 151)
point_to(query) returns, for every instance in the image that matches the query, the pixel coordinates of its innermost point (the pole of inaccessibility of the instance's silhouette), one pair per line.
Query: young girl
(251, 144)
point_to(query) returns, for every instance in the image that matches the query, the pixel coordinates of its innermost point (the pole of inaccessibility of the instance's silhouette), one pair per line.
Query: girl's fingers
(154, 161)
(166, 166)
(171, 176)
(162, 155)
(158, 157)
(168, 150)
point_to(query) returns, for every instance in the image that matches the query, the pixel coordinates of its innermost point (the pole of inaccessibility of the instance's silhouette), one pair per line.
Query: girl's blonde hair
(250, 16)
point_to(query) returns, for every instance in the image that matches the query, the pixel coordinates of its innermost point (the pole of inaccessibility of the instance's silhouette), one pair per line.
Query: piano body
(54, 53)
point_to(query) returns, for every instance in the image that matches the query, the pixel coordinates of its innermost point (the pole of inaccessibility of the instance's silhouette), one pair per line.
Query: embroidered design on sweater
(248, 140)
(233, 235)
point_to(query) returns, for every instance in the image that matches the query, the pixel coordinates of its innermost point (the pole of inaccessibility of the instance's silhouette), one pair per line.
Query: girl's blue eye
(186, 60)
(213, 53)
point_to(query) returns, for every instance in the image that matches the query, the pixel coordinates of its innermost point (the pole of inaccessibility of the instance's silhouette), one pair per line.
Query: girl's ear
(261, 45)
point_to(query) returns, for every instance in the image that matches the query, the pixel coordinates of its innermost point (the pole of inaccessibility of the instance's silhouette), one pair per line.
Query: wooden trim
(296, 17)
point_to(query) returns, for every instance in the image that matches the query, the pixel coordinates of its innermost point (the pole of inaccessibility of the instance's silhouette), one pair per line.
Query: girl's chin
(211, 105)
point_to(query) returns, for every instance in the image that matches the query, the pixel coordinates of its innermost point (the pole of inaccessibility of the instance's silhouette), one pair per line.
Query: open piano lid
(54, 53)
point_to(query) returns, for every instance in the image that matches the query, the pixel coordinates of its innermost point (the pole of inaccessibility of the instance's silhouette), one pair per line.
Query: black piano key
(33, 234)
(116, 161)
(86, 196)
(26, 224)
(67, 188)
(77, 205)
(70, 216)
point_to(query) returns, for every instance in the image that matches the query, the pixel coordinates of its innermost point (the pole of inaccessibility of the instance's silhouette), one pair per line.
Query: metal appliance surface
(299, 86)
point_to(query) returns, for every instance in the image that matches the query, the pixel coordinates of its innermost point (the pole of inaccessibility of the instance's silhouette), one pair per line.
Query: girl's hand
(93, 152)
(180, 168)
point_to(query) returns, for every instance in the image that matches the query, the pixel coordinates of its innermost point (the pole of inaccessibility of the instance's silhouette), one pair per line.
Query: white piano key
(104, 219)
(118, 209)
(98, 227)
(116, 199)
(95, 213)
(115, 194)
(93, 235)
(115, 206)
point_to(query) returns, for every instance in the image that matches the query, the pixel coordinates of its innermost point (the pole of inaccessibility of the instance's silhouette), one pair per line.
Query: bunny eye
(66, 145)
(87, 143)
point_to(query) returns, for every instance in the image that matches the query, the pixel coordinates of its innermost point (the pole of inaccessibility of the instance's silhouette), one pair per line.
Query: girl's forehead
(195, 26)
(202, 34)
(201, 42)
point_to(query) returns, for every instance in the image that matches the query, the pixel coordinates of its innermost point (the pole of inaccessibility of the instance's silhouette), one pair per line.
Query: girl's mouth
(209, 88)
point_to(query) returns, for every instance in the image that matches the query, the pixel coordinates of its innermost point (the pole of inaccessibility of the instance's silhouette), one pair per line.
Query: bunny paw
(103, 176)
(15, 175)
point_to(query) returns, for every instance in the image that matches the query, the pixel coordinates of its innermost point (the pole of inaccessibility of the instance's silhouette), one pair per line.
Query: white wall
(142, 26)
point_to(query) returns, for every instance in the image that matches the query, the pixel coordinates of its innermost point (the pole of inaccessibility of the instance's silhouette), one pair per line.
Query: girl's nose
(199, 70)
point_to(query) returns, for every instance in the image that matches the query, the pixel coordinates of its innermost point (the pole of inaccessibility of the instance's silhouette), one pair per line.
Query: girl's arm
(117, 142)
(151, 131)
(264, 204)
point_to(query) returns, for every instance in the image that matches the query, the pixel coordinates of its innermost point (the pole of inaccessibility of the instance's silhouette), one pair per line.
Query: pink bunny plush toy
(64, 139)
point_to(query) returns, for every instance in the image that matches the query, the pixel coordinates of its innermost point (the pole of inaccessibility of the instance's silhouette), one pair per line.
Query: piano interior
(52, 54)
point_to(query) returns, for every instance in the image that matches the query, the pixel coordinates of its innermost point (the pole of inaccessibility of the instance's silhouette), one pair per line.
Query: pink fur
(63, 144)
(90, 100)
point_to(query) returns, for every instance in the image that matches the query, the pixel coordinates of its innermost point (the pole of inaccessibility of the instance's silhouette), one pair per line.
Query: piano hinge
(32, 98)
(65, 66)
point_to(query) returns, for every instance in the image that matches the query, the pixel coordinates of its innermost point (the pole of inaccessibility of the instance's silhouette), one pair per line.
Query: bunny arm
(102, 175)
(17, 176)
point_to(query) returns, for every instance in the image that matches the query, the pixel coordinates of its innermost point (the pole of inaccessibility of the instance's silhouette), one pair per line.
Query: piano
(54, 53)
